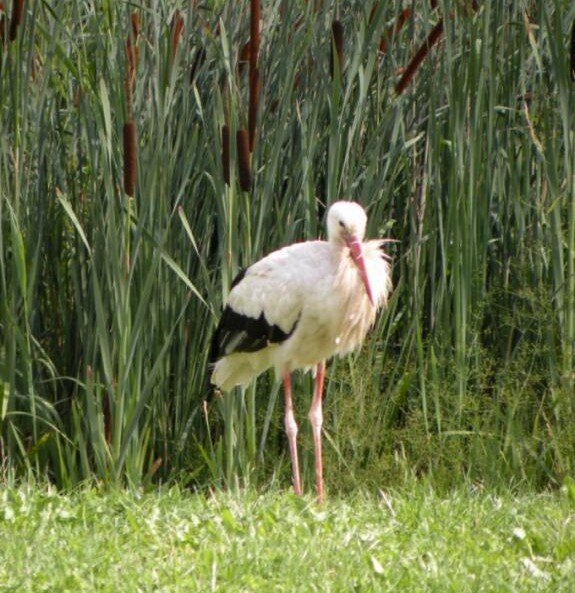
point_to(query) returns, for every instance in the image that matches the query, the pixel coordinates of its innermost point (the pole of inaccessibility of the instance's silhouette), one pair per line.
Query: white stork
(299, 306)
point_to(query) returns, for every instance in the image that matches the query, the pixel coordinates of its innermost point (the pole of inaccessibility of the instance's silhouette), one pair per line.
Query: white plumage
(300, 305)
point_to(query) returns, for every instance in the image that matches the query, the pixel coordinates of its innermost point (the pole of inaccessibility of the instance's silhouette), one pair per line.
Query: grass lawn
(412, 540)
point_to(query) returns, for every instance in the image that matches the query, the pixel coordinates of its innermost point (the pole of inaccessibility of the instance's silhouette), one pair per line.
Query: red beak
(356, 249)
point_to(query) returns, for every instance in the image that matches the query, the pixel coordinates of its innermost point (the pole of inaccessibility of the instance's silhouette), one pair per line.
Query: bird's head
(346, 222)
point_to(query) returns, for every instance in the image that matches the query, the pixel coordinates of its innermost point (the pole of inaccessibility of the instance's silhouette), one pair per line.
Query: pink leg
(291, 430)
(316, 418)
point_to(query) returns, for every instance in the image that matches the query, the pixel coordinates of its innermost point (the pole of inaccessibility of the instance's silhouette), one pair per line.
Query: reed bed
(117, 248)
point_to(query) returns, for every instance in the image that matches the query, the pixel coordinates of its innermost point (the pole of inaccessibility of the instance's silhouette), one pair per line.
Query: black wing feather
(241, 333)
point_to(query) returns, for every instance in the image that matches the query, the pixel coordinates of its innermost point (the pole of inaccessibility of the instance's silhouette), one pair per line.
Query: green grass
(107, 302)
(170, 540)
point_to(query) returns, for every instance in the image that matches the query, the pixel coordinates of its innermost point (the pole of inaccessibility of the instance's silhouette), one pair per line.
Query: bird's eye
(341, 224)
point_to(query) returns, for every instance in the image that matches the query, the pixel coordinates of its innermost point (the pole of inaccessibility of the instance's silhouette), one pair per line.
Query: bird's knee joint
(290, 425)
(315, 416)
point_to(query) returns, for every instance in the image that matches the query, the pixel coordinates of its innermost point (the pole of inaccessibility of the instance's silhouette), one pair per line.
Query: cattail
(412, 67)
(243, 144)
(337, 47)
(394, 29)
(253, 106)
(136, 27)
(155, 467)
(176, 36)
(2, 22)
(573, 51)
(254, 33)
(244, 57)
(130, 159)
(226, 153)
(17, 13)
(245, 52)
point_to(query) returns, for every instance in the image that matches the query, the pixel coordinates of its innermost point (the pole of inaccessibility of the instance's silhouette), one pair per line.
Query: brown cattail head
(136, 27)
(433, 37)
(17, 14)
(245, 52)
(474, 5)
(244, 160)
(573, 51)
(254, 32)
(226, 153)
(244, 57)
(394, 29)
(130, 158)
(253, 107)
(176, 33)
(2, 23)
(336, 48)
(155, 467)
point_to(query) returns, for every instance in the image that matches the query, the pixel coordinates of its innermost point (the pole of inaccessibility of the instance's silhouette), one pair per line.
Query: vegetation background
(120, 232)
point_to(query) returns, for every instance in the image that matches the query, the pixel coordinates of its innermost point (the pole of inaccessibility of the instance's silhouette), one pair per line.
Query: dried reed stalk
(245, 174)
